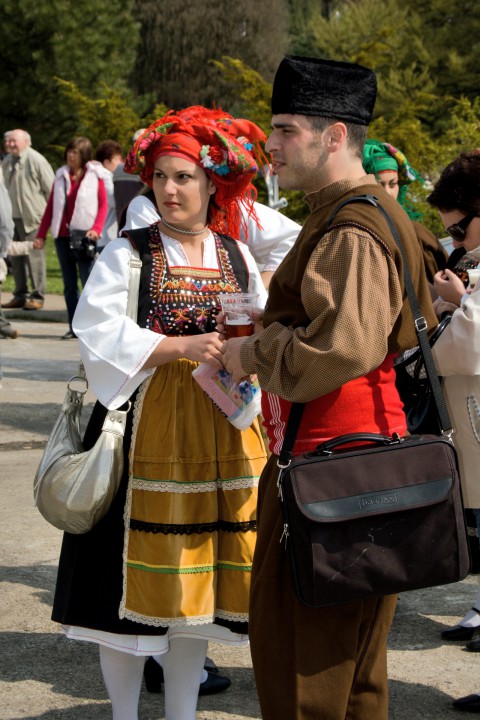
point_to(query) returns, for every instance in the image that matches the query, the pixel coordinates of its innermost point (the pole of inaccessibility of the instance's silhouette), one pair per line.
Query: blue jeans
(71, 268)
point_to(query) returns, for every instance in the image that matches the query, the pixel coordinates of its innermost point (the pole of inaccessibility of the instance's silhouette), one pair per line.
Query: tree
(174, 59)
(86, 42)
(449, 33)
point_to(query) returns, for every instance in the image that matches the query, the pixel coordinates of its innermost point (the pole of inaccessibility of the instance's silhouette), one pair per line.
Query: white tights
(472, 618)
(182, 669)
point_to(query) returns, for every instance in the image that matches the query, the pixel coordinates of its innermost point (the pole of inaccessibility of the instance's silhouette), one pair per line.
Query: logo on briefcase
(374, 499)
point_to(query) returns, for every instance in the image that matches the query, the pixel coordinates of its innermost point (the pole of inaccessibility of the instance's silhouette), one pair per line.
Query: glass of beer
(238, 311)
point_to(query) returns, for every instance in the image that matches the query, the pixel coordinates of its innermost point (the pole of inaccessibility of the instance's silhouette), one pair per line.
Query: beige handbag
(73, 488)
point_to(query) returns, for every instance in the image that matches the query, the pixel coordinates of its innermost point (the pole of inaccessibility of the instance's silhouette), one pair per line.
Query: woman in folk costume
(168, 568)
(395, 174)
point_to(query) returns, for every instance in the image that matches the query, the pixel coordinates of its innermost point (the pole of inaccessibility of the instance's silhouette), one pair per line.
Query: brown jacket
(337, 304)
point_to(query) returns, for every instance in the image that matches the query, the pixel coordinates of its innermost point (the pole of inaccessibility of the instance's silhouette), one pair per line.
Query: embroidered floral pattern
(184, 301)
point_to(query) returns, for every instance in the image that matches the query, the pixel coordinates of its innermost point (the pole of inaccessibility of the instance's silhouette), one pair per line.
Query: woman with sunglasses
(457, 352)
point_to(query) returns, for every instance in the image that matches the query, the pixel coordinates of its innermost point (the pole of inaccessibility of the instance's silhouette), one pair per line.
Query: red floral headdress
(227, 149)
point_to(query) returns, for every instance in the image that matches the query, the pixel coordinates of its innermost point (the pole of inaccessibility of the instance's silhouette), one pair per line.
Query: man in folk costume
(336, 316)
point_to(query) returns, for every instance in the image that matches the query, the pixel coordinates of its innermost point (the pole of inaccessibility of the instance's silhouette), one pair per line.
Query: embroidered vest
(184, 300)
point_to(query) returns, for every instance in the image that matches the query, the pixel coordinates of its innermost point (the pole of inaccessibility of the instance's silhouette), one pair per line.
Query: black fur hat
(327, 88)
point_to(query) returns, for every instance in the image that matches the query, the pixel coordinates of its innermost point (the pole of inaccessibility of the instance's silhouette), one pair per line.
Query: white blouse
(113, 347)
(268, 245)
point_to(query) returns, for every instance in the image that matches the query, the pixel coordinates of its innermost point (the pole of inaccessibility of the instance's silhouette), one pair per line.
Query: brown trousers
(325, 663)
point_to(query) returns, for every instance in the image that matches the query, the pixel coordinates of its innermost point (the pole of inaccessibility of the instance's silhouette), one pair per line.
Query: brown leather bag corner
(374, 520)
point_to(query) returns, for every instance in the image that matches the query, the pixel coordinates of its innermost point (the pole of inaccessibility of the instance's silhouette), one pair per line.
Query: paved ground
(44, 676)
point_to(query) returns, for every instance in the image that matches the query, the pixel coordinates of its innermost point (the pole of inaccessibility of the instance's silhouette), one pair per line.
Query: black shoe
(458, 632)
(473, 645)
(69, 335)
(469, 703)
(153, 676)
(214, 684)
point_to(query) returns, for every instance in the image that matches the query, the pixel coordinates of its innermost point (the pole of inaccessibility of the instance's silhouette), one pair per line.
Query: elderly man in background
(28, 177)
(6, 234)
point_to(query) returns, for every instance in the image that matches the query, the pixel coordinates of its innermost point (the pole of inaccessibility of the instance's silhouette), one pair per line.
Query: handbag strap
(421, 327)
(132, 299)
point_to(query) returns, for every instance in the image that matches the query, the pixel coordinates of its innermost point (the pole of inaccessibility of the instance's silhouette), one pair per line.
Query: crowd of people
(190, 549)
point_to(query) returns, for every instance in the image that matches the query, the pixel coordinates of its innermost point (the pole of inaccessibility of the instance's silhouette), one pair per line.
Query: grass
(54, 275)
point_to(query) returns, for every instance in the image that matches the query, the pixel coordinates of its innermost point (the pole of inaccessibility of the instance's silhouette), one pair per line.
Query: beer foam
(242, 320)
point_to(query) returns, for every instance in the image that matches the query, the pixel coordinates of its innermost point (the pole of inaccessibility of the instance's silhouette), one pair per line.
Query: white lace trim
(171, 486)
(167, 622)
(232, 617)
(137, 412)
(182, 622)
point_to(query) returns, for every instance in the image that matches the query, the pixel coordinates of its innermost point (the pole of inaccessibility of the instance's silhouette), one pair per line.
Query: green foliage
(85, 42)
(108, 117)
(178, 45)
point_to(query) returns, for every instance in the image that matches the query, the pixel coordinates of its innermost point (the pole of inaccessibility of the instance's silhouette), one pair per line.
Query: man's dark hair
(107, 149)
(84, 147)
(458, 187)
(356, 137)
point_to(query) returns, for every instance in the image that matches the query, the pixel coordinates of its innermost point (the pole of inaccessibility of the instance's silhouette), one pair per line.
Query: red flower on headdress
(216, 154)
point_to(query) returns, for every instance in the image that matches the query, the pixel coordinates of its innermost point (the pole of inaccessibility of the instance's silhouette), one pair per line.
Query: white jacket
(457, 358)
(86, 203)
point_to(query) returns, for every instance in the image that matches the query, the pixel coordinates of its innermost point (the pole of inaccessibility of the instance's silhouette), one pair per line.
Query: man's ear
(336, 136)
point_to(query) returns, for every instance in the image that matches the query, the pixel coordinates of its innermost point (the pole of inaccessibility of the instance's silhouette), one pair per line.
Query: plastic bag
(239, 402)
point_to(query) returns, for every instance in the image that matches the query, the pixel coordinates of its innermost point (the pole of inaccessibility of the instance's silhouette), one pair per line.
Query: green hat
(379, 156)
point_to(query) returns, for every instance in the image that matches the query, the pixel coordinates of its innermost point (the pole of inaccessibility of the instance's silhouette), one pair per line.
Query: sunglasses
(457, 231)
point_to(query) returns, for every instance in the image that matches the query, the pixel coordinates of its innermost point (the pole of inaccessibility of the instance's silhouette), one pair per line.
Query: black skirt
(89, 582)
(90, 570)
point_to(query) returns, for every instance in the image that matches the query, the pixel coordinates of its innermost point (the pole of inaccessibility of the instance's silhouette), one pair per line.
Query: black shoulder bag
(81, 247)
(382, 517)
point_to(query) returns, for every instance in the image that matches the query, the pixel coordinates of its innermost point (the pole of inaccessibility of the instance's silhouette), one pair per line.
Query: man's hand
(231, 358)
(38, 243)
(257, 316)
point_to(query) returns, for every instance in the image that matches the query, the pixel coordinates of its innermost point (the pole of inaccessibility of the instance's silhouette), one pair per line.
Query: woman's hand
(92, 234)
(449, 287)
(203, 348)
(38, 243)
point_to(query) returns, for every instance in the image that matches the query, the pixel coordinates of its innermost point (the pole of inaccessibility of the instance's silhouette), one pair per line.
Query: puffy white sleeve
(140, 213)
(270, 244)
(112, 346)
(457, 350)
(255, 282)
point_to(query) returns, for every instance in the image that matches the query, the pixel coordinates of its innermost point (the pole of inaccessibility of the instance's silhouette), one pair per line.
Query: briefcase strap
(296, 411)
